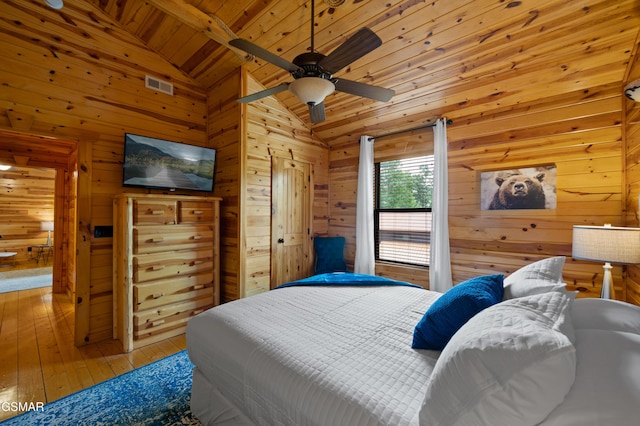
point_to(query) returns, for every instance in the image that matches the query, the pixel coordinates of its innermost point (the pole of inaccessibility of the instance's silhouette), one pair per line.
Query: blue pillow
(329, 254)
(454, 308)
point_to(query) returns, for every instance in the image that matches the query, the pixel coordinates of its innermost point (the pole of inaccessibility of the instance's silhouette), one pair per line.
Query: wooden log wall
(88, 85)
(224, 132)
(273, 131)
(26, 200)
(579, 132)
(247, 136)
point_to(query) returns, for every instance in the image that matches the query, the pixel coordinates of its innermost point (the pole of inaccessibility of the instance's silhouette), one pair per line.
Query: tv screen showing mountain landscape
(157, 163)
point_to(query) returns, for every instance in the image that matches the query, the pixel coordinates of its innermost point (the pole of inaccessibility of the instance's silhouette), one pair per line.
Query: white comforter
(344, 355)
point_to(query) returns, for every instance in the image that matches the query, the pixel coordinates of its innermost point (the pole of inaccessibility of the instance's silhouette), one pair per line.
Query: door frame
(276, 200)
(61, 154)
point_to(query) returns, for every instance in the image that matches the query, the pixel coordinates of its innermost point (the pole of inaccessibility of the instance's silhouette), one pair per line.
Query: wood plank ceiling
(454, 58)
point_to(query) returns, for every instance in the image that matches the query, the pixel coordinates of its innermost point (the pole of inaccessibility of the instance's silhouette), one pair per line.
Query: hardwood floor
(38, 361)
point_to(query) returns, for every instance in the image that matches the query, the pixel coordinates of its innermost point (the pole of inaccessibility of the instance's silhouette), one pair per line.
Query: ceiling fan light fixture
(54, 4)
(632, 91)
(311, 90)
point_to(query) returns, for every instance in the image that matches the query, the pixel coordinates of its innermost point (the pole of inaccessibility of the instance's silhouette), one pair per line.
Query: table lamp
(47, 226)
(608, 244)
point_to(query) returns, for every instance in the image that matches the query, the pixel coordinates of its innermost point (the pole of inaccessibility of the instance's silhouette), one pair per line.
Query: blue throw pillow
(329, 254)
(454, 308)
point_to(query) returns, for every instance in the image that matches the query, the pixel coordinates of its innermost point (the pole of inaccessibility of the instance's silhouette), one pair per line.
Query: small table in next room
(43, 252)
(7, 256)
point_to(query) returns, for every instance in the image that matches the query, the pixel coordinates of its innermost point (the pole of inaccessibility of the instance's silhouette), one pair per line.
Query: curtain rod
(449, 122)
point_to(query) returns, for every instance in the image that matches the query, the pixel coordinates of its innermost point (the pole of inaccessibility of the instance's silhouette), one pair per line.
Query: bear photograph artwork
(527, 188)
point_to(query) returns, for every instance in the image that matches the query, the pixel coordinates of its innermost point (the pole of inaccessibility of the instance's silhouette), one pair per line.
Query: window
(402, 215)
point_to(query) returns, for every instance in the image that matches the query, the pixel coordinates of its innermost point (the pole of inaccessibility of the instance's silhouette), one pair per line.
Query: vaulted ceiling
(453, 58)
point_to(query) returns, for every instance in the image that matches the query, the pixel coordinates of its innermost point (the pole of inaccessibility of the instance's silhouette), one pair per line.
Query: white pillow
(511, 364)
(535, 278)
(605, 314)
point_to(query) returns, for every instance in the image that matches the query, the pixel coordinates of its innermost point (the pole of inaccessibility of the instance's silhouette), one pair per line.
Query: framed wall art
(519, 189)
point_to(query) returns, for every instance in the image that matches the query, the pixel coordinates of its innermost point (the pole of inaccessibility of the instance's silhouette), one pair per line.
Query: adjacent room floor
(38, 360)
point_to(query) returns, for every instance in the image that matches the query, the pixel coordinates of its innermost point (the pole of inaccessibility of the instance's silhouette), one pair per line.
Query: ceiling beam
(211, 26)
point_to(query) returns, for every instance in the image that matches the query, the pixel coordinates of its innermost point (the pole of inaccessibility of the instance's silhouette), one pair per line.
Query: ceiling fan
(313, 72)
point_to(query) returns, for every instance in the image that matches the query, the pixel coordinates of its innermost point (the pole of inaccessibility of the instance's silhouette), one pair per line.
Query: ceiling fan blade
(261, 53)
(316, 112)
(364, 90)
(356, 46)
(264, 93)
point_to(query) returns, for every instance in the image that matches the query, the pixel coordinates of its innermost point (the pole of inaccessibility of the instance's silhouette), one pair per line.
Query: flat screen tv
(163, 164)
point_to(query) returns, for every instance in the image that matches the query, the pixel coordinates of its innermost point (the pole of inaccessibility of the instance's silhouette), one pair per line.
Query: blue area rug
(156, 394)
(36, 278)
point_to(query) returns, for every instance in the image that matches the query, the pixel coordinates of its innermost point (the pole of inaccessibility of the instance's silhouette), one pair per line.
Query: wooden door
(290, 220)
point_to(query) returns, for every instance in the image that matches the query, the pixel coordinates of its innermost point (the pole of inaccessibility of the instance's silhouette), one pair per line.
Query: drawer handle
(157, 239)
(197, 237)
(198, 287)
(157, 212)
(157, 267)
(157, 295)
(197, 262)
(197, 212)
(157, 323)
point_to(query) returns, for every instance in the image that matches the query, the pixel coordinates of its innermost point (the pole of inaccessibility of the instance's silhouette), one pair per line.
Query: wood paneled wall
(273, 131)
(224, 132)
(78, 76)
(247, 136)
(26, 200)
(579, 132)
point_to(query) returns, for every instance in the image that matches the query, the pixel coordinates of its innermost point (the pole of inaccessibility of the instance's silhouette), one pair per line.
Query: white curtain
(440, 259)
(365, 251)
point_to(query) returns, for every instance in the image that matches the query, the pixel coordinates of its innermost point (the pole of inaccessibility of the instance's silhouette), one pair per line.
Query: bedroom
(534, 83)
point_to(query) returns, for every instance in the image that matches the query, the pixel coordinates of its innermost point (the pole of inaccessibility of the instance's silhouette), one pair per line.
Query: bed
(342, 349)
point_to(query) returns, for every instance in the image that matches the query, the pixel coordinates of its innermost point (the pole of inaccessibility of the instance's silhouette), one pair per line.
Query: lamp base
(608, 292)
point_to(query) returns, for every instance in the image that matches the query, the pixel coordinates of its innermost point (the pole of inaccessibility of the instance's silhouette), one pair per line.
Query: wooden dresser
(166, 264)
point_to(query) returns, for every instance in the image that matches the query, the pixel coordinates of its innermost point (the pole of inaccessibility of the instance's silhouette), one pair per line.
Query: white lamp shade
(311, 90)
(606, 244)
(632, 91)
(46, 226)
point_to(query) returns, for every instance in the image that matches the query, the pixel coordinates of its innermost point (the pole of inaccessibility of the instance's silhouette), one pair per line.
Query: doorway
(27, 201)
(31, 151)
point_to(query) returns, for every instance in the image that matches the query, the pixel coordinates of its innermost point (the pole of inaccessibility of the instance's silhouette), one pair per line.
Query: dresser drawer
(154, 212)
(156, 266)
(164, 292)
(165, 318)
(195, 212)
(154, 240)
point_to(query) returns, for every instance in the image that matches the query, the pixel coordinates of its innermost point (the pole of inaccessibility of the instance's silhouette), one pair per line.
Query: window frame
(377, 210)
